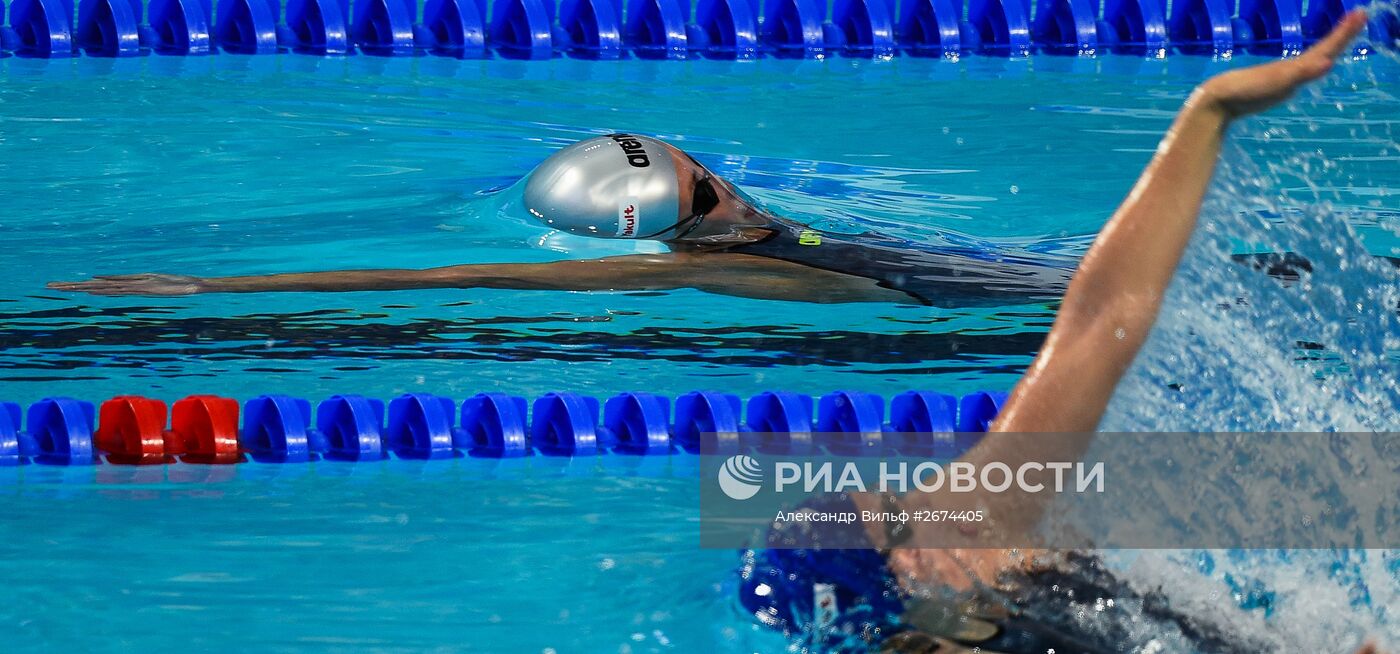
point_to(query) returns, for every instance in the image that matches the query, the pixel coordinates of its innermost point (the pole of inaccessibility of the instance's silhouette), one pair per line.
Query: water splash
(1237, 350)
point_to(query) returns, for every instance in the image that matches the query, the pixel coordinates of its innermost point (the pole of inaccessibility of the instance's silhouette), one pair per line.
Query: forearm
(1115, 296)
(330, 281)
(616, 273)
(1108, 310)
(1137, 252)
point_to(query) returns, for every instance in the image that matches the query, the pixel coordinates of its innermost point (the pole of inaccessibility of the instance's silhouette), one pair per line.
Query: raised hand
(142, 284)
(1256, 88)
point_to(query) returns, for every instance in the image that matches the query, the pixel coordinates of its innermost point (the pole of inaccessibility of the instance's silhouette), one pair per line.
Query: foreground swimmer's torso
(824, 585)
(939, 277)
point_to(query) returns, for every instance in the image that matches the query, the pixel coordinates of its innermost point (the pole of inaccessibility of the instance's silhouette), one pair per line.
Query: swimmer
(635, 187)
(875, 598)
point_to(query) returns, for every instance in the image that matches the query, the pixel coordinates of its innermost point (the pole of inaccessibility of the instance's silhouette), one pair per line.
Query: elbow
(1101, 306)
(1110, 332)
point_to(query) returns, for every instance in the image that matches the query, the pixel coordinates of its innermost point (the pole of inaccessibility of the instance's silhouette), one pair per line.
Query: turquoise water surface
(233, 165)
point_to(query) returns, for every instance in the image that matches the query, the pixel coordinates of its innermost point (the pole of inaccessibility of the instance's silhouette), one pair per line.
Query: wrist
(1205, 103)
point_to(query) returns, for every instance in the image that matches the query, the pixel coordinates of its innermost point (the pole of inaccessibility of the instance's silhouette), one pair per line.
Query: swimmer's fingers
(91, 288)
(142, 284)
(1317, 60)
(1250, 90)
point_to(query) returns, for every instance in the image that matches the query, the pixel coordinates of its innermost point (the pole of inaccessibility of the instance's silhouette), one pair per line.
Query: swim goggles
(703, 201)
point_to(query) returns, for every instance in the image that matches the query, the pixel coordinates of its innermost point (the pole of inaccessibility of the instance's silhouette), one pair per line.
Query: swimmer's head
(623, 186)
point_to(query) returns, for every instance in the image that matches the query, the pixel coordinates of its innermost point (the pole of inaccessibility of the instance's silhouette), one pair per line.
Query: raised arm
(1113, 300)
(1110, 306)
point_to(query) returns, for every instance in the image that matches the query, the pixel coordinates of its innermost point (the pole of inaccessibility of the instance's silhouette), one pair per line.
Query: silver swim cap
(618, 186)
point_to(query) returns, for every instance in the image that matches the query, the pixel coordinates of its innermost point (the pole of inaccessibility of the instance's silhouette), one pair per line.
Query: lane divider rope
(205, 429)
(673, 29)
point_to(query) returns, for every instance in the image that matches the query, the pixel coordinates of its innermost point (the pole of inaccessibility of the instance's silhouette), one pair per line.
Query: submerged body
(929, 276)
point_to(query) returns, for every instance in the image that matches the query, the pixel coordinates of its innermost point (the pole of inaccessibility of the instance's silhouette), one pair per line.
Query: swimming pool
(241, 165)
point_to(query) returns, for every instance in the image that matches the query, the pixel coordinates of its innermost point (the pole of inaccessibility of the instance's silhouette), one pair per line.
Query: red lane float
(131, 431)
(208, 429)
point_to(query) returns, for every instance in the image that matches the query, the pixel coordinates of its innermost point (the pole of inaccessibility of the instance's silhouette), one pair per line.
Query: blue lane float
(638, 423)
(793, 28)
(930, 28)
(495, 425)
(1066, 25)
(785, 422)
(453, 28)
(924, 424)
(384, 27)
(1134, 26)
(10, 454)
(976, 411)
(178, 27)
(109, 28)
(39, 28)
(280, 429)
(861, 28)
(590, 29)
(565, 424)
(247, 26)
(1202, 26)
(523, 29)
(1269, 26)
(656, 29)
(420, 427)
(718, 414)
(277, 429)
(1383, 29)
(60, 432)
(725, 29)
(316, 27)
(858, 418)
(351, 427)
(998, 27)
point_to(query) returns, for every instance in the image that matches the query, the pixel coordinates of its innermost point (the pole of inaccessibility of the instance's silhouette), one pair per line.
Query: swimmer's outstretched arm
(736, 275)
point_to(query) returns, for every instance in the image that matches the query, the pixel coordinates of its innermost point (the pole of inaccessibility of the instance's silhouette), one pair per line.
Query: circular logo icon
(740, 477)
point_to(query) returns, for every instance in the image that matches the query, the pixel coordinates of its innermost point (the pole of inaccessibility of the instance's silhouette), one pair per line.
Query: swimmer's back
(931, 276)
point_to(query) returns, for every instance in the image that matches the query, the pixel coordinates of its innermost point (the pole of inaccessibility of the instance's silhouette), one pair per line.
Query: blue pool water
(242, 165)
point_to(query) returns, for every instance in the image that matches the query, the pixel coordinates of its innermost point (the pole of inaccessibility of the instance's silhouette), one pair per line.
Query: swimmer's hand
(151, 284)
(1254, 89)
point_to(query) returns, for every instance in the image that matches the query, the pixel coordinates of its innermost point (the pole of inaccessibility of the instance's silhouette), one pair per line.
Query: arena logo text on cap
(636, 155)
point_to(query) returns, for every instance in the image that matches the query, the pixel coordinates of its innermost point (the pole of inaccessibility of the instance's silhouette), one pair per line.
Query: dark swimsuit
(1057, 598)
(945, 276)
(842, 598)
(948, 276)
